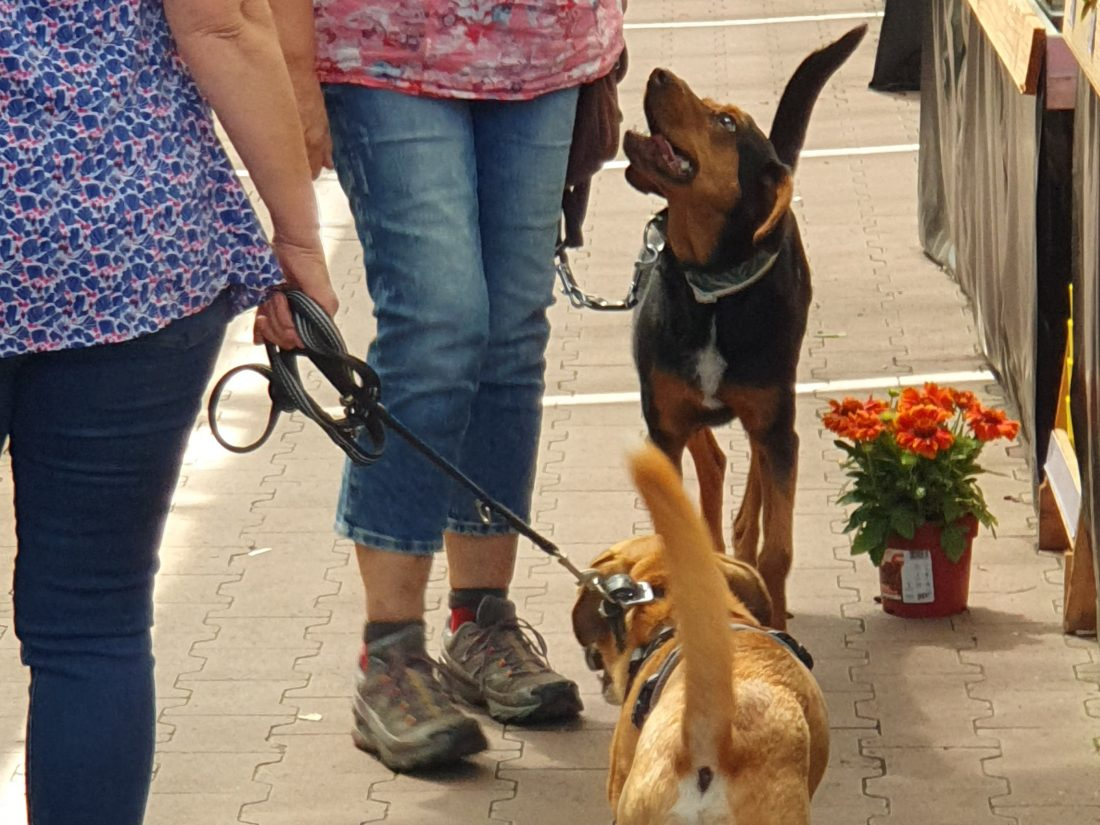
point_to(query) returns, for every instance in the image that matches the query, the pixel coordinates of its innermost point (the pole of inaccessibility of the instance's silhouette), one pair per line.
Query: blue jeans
(457, 206)
(97, 437)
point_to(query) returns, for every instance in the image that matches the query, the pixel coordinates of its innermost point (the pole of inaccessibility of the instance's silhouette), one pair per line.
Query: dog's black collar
(707, 285)
(641, 654)
(651, 689)
(800, 652)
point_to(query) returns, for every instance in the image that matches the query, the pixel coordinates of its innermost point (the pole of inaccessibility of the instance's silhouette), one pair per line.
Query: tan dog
(738, 730)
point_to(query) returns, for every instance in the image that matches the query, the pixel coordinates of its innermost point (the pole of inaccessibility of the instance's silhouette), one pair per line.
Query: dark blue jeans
(97, 437)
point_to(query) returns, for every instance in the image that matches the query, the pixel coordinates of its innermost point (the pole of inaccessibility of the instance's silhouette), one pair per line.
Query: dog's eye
(726, 121)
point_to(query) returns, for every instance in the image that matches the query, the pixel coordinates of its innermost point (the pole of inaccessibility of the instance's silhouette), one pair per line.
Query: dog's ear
(588, 625)
(777, 181)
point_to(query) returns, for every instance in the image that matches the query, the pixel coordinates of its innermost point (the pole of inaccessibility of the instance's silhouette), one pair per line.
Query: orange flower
(919, 431)
(864, 426)
(989, 424)
(965, 400)
(852, 412)
(931, 394)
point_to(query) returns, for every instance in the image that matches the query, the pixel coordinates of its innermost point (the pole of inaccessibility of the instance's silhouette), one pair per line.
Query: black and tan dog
(719, 325)
(722, 720)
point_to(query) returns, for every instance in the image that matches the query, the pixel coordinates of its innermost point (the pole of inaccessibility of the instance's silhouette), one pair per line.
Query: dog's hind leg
(710, 467)
(768, 418)
(746, 527)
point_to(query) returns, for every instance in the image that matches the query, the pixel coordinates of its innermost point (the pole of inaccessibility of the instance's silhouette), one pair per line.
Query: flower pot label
(906, 576)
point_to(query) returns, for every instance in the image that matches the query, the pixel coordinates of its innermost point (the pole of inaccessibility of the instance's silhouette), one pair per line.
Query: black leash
(360, 396)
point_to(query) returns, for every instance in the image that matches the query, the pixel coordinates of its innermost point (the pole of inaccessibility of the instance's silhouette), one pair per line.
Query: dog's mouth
(657, 153)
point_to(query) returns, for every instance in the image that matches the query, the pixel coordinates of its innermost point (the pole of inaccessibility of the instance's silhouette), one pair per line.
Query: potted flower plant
(912, 465)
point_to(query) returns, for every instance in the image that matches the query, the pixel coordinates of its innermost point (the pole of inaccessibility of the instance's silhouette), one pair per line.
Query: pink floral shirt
(475, 49)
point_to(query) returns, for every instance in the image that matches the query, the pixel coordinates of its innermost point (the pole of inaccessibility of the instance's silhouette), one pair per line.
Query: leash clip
(625, 592)
(484, 512)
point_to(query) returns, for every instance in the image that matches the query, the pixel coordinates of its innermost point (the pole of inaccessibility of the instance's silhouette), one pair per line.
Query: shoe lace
(410, 683)
(515, 646)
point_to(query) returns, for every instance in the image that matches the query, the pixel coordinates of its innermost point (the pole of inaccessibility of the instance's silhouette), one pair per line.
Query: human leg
(490, 656)
(97, 437)
(522, 149)
(407, 166)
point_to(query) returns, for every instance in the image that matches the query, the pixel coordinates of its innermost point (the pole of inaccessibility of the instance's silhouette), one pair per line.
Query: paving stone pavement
(989, 717)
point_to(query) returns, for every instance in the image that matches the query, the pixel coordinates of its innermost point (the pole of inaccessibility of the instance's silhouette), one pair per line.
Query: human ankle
(465, 601)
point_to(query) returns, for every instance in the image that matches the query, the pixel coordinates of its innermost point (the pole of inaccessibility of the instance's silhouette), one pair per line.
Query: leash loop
(357, 384)
(272, 415)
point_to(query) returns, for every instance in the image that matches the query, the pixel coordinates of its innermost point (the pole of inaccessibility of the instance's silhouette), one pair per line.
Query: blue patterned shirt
(119, 210)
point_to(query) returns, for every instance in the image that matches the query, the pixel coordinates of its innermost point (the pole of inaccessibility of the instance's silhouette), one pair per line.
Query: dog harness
(706, 285)
(651, 689)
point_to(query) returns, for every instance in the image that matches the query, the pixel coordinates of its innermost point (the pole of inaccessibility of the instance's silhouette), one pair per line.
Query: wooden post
(1079, 614)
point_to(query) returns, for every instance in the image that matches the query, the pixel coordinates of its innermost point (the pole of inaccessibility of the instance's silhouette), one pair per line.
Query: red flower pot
(916, 578)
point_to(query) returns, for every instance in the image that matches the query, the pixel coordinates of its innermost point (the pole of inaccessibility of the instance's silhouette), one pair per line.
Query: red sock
(461, 615)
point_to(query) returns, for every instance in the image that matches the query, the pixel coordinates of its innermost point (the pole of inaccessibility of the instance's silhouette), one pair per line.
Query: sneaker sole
(441, 749)
(555, 702)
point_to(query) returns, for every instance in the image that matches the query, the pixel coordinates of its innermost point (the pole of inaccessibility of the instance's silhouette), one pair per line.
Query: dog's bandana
(706, 285)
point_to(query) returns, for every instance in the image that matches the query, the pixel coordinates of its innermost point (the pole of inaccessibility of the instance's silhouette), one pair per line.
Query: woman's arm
(294, 20)
(232, 50)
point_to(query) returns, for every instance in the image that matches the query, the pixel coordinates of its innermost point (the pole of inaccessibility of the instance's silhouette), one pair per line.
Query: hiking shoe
(403, 715)
(500, 662)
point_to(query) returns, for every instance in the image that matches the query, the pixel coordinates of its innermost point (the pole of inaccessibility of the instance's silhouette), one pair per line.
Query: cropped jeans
(97, 437)
(457, 206)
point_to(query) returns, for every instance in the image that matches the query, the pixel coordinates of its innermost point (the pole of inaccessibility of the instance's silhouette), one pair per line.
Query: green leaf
(854, 521)
(953, 541)
(903, 522)
(864, 542)
(848, 448)
(952, 510)
(872, 537)
(868, 539)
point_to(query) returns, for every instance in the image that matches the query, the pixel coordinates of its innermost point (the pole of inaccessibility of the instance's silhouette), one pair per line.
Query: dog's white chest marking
(710, 366)
(700, 807)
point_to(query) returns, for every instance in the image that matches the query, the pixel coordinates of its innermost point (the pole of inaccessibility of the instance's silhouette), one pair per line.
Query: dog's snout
(660, 77)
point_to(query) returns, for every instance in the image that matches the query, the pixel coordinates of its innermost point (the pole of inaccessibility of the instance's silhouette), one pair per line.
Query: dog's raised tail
(701, 603)
(797, 103)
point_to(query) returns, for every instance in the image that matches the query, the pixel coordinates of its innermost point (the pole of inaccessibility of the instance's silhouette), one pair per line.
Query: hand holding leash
(323, 345)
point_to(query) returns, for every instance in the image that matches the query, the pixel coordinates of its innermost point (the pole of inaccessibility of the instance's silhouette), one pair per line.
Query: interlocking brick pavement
(989, 717)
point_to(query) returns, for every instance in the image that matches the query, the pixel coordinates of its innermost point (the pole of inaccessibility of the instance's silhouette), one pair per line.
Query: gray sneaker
(500, 662)
(403, 714)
